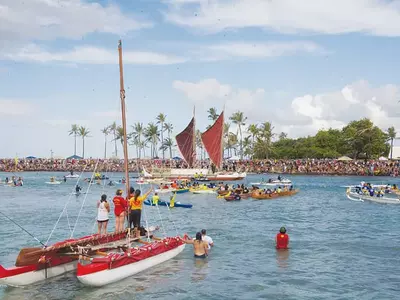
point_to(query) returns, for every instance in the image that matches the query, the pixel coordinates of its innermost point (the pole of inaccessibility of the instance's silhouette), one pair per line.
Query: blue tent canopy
(176, 158)
(74, 157)
(31, 157)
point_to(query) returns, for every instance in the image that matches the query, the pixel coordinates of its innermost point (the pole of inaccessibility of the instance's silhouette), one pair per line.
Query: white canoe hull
(105, 277)
(204, 192)
(361, 198)
(54, 182)
(37, 276)
(271, 184)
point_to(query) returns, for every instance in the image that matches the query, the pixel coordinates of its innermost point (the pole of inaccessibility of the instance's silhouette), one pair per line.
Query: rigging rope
(65, 207)
(22, 228)
(84, 200)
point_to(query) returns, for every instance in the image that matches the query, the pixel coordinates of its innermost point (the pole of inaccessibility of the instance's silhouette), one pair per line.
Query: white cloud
(89, 55)
(262, 50)
(15, 108)
(375, 17)
(305, 114)
(71, 19)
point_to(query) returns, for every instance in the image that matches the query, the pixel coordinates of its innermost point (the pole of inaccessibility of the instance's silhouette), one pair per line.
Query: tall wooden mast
(122, 95)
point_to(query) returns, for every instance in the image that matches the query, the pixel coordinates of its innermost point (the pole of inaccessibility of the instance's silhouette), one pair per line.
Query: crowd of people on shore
(283, 166)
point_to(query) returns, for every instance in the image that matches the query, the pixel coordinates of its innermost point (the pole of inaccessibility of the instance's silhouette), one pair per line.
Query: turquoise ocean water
(340, 249)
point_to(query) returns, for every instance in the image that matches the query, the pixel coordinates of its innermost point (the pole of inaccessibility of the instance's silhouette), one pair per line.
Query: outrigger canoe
(165, 203)
(37, 264)
(261, 196)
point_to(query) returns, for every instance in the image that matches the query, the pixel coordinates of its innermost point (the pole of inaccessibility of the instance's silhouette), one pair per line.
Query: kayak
(181, 191)
(53, 182)
(164, 203)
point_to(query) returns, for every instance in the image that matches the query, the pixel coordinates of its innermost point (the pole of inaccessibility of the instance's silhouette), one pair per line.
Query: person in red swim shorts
(282, 239)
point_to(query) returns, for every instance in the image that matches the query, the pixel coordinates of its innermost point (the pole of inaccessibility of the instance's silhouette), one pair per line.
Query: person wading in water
(282, 239)
(200, 247)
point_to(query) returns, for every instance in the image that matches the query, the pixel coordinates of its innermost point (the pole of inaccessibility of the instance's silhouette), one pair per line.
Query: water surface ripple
(340, 249)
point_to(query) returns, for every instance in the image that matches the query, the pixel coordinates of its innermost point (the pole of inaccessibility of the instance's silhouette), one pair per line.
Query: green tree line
(359, 139)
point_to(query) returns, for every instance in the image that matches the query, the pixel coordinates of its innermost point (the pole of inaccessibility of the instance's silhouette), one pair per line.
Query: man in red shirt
(282, 239)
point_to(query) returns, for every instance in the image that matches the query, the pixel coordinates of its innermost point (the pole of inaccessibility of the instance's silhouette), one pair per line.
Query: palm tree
(282, 136)
(105, 131)
(212, 114)
(253, 130)
(83, 132)
(391, 133)
(74, 131)
(168, 127)
(119, 135)
(263, 145)
(152, 135)
(240, 120)
(113, 129)
(138, 131)
(232, 143)
(167, 144)
(161, 120)
(247, 146)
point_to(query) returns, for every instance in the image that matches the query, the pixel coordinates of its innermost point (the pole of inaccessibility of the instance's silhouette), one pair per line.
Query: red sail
(186, 143)
(212, 140)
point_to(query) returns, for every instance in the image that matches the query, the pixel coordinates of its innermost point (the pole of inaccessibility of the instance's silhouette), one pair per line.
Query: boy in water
(282, 239)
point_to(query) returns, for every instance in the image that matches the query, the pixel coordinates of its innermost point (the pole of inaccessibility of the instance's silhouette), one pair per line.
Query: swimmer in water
(282, 239)
(200, 247)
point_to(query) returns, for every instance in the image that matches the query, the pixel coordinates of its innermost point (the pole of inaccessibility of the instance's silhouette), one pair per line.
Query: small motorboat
(355, 196)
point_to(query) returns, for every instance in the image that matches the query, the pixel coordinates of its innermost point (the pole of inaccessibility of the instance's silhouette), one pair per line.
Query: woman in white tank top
(103, 208)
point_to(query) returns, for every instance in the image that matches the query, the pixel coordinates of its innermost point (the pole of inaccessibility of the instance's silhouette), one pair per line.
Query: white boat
(270, 183)
(53, 182)
(72, 176)
(352, 195)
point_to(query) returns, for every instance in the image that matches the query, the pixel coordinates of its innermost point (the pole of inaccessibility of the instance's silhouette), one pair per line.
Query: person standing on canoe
(282, 239)
(200, 247)
(103, 208)
(120, 205)
(135, 204)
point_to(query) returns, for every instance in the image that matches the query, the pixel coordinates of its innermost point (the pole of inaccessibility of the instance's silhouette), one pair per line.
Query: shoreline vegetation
(278, 166)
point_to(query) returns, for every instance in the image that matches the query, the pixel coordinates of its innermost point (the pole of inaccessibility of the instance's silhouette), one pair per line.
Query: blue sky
(301, 66)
